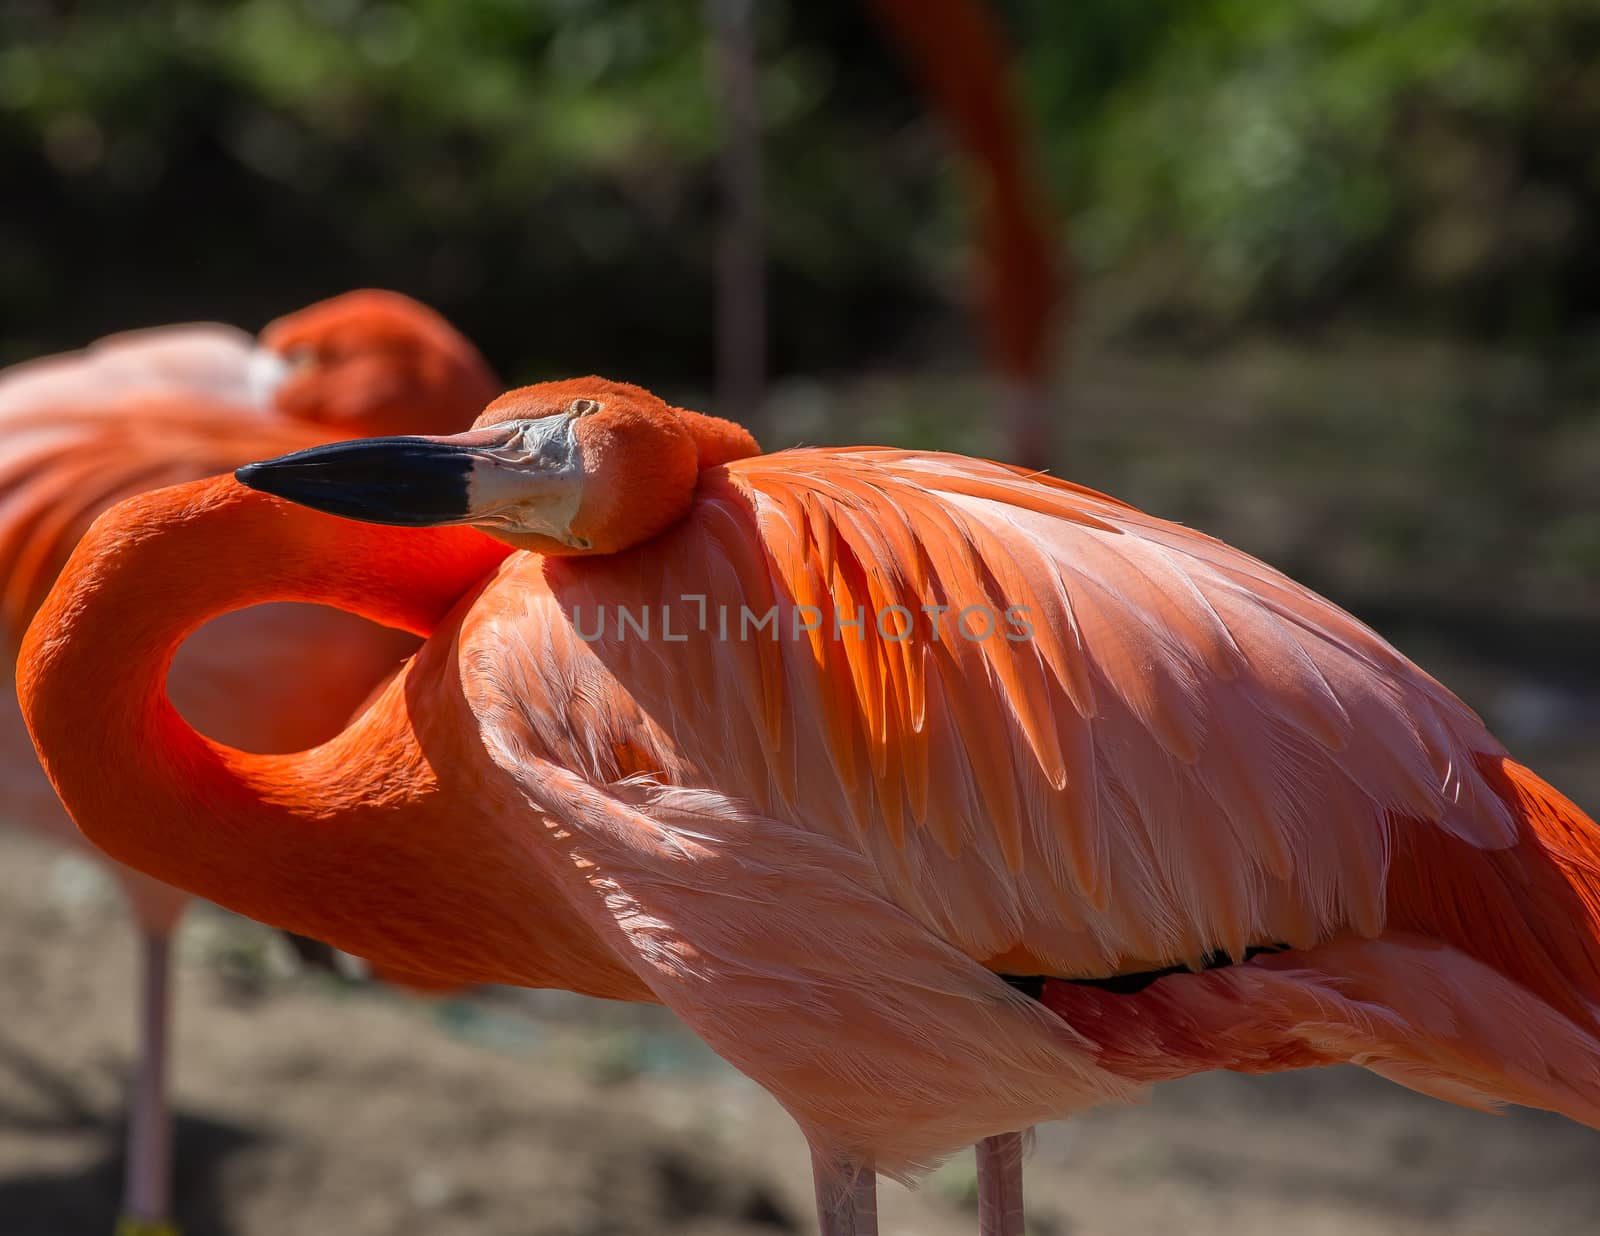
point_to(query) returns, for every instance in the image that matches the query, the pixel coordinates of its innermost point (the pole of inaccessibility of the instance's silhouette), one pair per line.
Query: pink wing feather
(1188, 752)
(201, 361)
(130, 412)
(820, 850)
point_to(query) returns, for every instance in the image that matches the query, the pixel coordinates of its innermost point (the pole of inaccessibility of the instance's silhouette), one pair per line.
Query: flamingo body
(829, 854)
(206, 360)
(80, 432)
(1192, 753)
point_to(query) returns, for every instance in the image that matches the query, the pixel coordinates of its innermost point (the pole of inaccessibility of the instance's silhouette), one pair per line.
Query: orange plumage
(80, 432)
(822, 844)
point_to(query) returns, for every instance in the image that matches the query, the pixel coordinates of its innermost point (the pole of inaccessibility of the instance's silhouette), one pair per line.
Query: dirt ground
(310, 1106)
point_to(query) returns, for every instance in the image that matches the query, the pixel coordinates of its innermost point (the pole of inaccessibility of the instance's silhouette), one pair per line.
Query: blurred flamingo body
(1175, 813)
(80, 432)
(959, 55)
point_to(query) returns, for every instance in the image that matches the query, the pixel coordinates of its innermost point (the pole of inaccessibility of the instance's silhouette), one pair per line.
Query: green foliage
(1287, 150)
(1280, 157)
(546, 161)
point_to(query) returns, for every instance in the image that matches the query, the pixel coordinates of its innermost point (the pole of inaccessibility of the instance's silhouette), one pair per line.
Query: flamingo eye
(583, 407)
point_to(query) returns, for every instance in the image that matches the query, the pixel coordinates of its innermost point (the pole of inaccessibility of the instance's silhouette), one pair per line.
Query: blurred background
(1334, 273)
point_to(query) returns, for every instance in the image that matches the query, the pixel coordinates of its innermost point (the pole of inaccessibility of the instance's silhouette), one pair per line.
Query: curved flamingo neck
(250, 832)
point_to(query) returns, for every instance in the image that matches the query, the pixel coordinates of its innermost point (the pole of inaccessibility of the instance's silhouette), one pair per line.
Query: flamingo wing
(819, 849)
(1147, 747)
(80, 431)
(203, 360)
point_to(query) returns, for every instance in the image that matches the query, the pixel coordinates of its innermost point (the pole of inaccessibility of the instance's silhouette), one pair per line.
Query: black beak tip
(270, 476)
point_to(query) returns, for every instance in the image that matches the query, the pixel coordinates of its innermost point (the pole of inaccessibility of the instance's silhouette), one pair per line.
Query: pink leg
(146, 1199)
(1000, 1185)
(847, 1197)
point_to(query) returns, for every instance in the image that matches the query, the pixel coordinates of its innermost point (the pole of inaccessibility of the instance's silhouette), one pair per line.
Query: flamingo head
(574, 467)
(373, 362)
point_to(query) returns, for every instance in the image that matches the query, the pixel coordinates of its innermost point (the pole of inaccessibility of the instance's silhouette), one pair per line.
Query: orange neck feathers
(717, 441)
(335, 842)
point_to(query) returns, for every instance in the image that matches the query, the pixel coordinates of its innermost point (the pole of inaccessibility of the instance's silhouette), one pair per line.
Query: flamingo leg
(1000, 1185)
(147, 1187)
(847, 1197)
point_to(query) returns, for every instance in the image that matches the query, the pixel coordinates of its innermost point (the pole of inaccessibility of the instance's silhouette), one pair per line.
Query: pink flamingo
(80, 432)
(939, 797)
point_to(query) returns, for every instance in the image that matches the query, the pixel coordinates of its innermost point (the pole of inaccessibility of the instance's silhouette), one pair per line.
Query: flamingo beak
(411, 482)
(520, 476)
